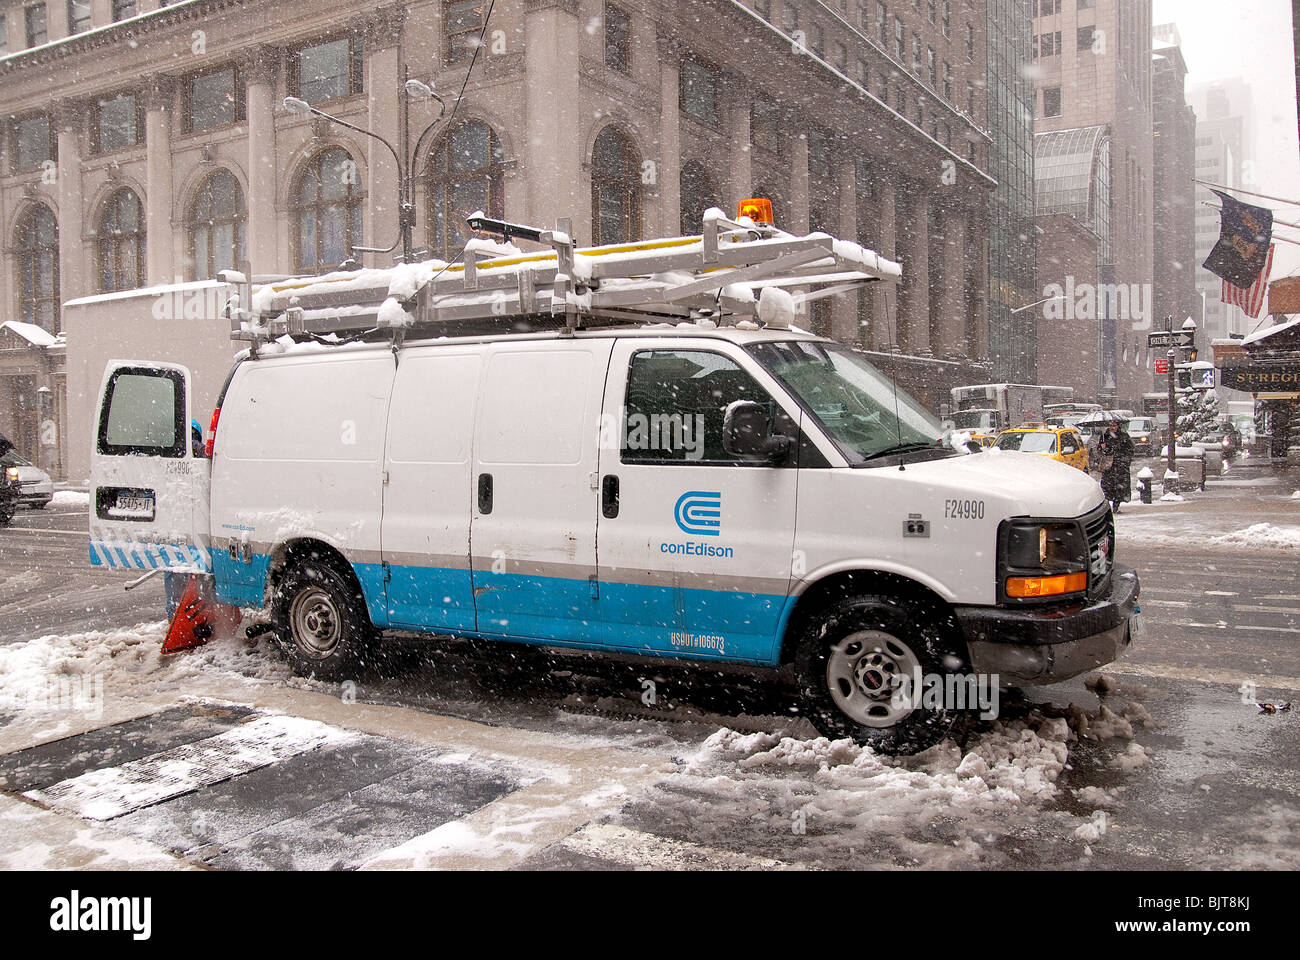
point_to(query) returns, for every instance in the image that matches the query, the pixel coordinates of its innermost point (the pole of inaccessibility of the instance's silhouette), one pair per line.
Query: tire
(851, 659)
(41, 505)
(322, 624)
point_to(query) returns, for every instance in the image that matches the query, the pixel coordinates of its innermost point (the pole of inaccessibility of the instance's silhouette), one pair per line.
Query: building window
(121, 242)
(698, 193)
(790, 18)
(464, 175)
(615, 188)
(116, 122)
(970, 99)
(947, 81)
(327, 205)
(970, 43)
(213, 99)
(765, 125)
(916, 54)
(327, 70)
(841, 58)
(37, 258)
(764, 9)
(1049, 44)
(932, 6)
(33, 142)
(217, 226)
(618, 39)
(1087, 4)
(947, 18)
(1085, 38)
(699, 91)
(123, 9)
(1052, 101)
(78, 16)
(4, 36)
(819, 153)
(900, 44)
(464, 20)
(817, 39)
(34, 20)
(931, 68)
(882, 24)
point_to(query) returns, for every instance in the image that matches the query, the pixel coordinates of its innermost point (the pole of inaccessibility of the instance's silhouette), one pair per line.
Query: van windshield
(852, 400)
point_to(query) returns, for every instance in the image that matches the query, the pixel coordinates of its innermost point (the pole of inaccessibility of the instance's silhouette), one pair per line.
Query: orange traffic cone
(199, 616)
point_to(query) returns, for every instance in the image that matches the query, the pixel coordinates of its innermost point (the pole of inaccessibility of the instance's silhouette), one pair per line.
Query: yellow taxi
(985, 440)
(1057, 443)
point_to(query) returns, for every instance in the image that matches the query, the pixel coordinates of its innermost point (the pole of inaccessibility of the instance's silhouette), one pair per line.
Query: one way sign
(1171, 338)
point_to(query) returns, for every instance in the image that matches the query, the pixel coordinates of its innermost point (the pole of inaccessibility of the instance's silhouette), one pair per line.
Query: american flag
(1250, 299)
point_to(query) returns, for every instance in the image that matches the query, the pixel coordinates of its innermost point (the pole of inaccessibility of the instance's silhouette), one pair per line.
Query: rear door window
(143, 413)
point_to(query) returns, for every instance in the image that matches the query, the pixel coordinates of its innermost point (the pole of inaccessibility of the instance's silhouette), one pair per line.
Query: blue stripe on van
(637, 619)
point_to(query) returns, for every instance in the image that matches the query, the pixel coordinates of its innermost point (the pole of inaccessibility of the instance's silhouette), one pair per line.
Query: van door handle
(609, 496)
(485, 493)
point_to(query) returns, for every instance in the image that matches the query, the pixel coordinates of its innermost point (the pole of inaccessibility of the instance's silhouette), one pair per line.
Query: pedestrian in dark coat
(1116, 450)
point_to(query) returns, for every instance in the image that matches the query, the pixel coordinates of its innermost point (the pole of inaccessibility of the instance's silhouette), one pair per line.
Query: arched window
(464, 175)
(327, 204)
(217, 226)
(615, 188)
(121, 242)
(37, 250)
(698, 193)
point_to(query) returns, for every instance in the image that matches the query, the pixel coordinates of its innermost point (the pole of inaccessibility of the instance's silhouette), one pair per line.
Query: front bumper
(1046, 644)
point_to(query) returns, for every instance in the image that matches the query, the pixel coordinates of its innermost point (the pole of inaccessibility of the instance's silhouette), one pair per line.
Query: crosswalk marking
(113, 791)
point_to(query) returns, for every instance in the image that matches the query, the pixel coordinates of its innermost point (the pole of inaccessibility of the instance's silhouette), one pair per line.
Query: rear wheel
(323, 627)
(858, 666)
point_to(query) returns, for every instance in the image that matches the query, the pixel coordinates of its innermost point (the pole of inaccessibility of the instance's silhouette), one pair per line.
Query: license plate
(135, 506)
(1136, 627)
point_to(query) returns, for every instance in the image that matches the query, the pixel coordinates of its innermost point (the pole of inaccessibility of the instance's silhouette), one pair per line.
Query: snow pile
(1261, 535)
(59, 678)
(391, 316)
(1094, 829)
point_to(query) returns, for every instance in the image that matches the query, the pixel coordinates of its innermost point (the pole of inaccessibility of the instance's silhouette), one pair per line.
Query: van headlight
(11, 474)
(1042, 559)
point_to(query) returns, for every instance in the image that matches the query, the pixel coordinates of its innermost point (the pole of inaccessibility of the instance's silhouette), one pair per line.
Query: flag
(1245, 235)
(1251, 299)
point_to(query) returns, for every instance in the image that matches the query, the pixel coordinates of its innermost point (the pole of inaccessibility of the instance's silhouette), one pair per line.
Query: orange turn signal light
(757, 209)
(1046, 586)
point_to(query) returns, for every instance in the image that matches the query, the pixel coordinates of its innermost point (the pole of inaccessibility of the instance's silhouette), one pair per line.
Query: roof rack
(733, 270)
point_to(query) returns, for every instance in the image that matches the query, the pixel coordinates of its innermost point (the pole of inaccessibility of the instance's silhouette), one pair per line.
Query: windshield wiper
(902, 448)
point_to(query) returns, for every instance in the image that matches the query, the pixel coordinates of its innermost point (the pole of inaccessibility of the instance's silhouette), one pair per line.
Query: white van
(700, 492)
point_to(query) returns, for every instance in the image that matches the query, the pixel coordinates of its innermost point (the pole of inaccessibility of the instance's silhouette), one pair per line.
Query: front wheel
(323, 627)
(867, 668)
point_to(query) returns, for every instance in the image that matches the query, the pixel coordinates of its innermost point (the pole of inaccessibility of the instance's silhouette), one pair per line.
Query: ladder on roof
(734, 269)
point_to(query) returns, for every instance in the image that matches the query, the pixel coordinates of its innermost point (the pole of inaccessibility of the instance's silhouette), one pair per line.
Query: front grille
(1099, 527)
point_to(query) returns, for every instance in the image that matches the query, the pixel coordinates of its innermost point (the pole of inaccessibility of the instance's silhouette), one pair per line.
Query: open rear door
(149, 475)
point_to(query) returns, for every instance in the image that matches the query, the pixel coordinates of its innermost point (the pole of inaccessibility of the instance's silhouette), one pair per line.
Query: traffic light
(1189, 354)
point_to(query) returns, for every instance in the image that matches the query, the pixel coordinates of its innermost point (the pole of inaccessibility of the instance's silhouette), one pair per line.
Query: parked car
(35, 488)
(1055, 443)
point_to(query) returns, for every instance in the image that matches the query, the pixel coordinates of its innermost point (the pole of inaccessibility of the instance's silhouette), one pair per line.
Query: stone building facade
(147, 143)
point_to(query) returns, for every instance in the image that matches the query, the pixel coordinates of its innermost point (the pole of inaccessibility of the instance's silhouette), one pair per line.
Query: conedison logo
(699, 512)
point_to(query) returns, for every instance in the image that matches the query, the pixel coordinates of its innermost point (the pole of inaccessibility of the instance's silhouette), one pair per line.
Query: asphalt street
(469, 756)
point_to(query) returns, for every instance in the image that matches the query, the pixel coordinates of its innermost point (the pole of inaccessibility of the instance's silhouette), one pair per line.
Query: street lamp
(413, 90)
(1035, 304)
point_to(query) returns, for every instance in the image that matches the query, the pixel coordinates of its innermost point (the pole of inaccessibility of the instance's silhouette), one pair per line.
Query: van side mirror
(747, 432)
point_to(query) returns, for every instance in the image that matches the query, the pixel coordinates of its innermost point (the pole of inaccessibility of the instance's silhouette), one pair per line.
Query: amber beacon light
(758, 209)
